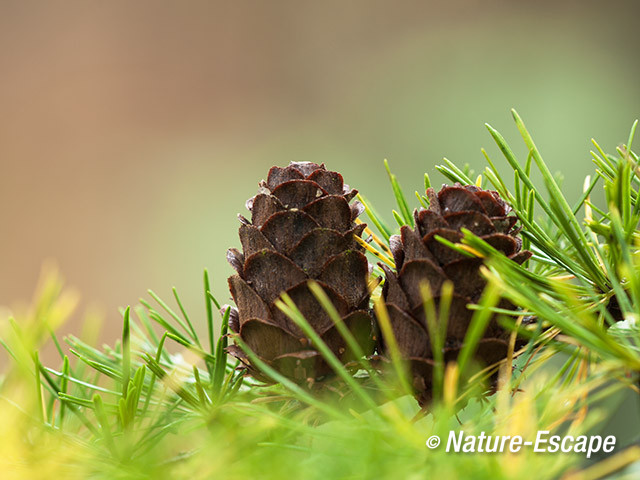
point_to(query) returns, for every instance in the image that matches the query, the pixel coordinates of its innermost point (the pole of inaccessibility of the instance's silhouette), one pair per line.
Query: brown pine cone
(302, 227)
(420, 257)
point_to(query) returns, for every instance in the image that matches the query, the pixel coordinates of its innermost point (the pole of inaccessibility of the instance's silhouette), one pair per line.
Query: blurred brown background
(132, 132)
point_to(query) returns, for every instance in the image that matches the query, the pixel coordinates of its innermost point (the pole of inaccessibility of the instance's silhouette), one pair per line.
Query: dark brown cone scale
(302, 227)
(420, 258)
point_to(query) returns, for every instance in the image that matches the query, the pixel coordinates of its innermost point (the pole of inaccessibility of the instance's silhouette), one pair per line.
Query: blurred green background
(131, 133)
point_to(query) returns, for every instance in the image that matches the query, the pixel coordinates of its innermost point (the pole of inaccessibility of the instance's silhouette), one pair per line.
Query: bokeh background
(132, 132)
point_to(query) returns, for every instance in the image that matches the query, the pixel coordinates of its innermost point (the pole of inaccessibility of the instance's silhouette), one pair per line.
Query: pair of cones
(303, 228)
